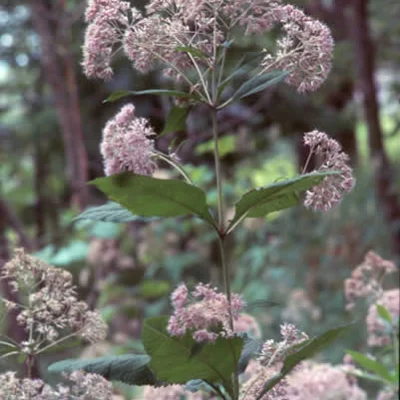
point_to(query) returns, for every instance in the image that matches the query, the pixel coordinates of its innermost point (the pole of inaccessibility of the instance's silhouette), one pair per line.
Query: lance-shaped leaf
(307, 350)
(176, 120)
(193, 51)
(174, 361)
(260, 82)
(109, 212)
(150, 197)
(261, 201)
(129, 368)
(119, 94)
(373, 366)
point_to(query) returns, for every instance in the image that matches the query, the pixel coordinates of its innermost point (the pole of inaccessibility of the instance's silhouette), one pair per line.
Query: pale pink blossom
(173, 392)
(126, 145)
(108, 20)
(305, 51)
(78, 386)
(366, 279)
(204, 312)
(314, 381)
(255, 377)
(273, 352)
(330, 191)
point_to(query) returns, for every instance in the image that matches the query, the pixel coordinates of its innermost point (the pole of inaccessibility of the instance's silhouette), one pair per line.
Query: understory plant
(200, 347)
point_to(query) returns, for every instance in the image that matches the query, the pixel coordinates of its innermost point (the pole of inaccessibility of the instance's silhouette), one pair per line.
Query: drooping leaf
(176, 120)
(151, 197)
(109, 212)
(173, 359)
(261, 201)
(260, 82)
(242, 68)
(384, 313)
(307, 350)
(372, 365)
(119, 94)
(129, 368)
(193, 51)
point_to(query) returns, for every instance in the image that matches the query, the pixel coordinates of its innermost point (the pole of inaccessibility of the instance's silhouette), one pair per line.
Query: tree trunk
(365, 56)
(53, 26)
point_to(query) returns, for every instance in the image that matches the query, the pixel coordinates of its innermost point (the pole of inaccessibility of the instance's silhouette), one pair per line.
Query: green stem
(218, 171)
(222, 235)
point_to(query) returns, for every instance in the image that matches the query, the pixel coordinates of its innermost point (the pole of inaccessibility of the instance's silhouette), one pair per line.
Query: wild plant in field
(198, 347)
(380, 364)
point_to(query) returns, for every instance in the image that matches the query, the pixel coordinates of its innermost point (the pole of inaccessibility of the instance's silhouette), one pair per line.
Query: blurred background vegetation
(290, 266)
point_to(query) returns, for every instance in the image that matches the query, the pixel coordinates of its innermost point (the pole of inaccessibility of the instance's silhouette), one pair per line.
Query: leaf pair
(145, 196)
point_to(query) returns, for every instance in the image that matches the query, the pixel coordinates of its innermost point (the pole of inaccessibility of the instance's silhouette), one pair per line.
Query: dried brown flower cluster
(51, 312)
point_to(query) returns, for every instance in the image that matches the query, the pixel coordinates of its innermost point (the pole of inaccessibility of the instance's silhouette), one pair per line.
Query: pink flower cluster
(81, 386)
(331, 190)
(204, 313)
(173, 392)
(256, 375)
(305, 50)
(380, 331)
(314, 381)
(107, 21)
(274, 352)
(366, 279)
(126, 145)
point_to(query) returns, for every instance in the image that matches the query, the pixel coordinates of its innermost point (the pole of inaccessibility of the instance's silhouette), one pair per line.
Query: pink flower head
(107, 19)
(314, 381)
(366, 279)
(274, 352)
(305, 51)
(330, 191)
(205, 314)
(126, 145)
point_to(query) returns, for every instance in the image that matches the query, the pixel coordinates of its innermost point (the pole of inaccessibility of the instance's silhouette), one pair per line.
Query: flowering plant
(382, 323)
(200, 345)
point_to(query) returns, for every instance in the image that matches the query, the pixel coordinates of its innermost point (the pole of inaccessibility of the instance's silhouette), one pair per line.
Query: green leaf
(372, 365)
(242, 68)
(151, 197)
(261, 201)
(109, 212)
(119, 94)
(174, 361)
(307, 350)
(176, 120)
(193, 51)
(151, 290)
(129, 368)
(260, 82)
(384, 313)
